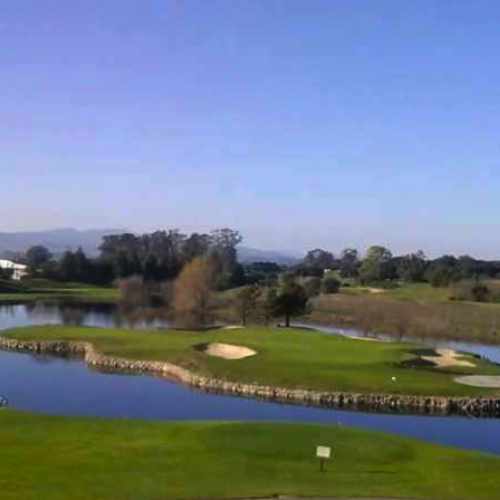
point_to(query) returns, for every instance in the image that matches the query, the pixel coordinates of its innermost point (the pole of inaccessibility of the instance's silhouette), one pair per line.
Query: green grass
(286, 358)
(419, 292)
(57, 458)
(34, 290)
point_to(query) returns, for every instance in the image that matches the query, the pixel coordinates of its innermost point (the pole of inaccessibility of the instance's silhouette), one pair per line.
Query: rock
(478, 407)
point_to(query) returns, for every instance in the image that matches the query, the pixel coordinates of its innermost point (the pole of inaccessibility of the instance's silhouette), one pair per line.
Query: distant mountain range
(56, 240)
(60, 240)
(247, 255)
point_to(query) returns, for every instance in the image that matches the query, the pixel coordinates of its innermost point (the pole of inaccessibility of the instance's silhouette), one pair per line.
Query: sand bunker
(371, 339)
(448, 357)
(229, 351)
(480, 380)
(232, 327)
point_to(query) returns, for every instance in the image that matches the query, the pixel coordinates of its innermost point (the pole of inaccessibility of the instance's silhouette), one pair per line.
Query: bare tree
(192, 294)
(133, 293)
(245, 302)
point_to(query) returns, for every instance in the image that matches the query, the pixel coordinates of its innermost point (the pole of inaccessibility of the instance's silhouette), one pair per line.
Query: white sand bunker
(480, 380)
(370, 339)
(232, 327)
(229, 351)
(448, 357)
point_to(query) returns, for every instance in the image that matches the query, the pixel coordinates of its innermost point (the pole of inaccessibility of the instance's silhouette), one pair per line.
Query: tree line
(380, 267)
(160, 256)
(156, 257)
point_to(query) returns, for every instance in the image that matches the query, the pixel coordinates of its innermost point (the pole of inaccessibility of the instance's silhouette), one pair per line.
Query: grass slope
(286, 357)
(57, 458)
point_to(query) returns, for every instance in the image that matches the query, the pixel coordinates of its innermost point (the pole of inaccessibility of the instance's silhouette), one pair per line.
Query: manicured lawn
(56, 458)
(47, 290)
(286, 357)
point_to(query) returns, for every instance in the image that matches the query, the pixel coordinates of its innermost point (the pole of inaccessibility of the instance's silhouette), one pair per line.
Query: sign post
(323, 453)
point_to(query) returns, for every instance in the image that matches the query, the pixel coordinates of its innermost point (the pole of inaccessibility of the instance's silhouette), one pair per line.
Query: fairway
(290, 358)
(56, 458)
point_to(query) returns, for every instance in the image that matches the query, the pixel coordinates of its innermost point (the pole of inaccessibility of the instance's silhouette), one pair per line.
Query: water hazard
(51, 385)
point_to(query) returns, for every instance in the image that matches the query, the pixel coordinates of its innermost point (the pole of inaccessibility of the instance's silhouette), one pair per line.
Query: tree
(376, 265)
(133, 293)
(349, 263)
(269, 305)
(83, 267)
(262, 272)
(480, 292)
(196, 245)
(37, 256)
(192, 293)
(319, 259)
(224, 256)
(443, 271)
(330, 285)
(291, 300)
(412, 267)
(67, 267)
(151, 270)
(246, 301)
(312, 286)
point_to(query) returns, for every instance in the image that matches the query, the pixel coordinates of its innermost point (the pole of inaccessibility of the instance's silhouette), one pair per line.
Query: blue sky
(302, 123)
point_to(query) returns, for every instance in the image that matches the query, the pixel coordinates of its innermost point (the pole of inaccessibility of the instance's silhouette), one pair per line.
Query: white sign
(323, 452)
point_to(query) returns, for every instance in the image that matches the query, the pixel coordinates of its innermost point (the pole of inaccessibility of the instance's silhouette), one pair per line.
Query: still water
(51, 385)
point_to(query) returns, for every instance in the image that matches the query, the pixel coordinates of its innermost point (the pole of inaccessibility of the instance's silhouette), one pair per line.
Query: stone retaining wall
(437, 405)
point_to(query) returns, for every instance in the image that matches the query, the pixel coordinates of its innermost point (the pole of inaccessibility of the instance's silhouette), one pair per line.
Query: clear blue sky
(301, 123)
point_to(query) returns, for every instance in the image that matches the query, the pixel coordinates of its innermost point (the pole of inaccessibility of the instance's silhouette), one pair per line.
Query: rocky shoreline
(386, 403)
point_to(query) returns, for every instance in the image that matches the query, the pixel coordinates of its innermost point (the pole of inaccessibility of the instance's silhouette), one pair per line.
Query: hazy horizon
(290, 252)
(303, 125)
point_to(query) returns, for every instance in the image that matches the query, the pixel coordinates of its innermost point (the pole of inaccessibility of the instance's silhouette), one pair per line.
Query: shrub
(312, 286)
(474, 291)
(330, 285)
(480, 292)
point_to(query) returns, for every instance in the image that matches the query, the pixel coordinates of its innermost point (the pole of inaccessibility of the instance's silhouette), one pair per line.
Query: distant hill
(60, 240)
(247, 255)
(56, 240)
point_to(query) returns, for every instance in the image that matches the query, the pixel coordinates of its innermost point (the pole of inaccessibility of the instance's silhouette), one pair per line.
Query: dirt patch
(228, 351)
(448, 357)
(491, 381)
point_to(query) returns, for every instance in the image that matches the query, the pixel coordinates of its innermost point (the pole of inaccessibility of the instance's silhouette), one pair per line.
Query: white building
(18, 270)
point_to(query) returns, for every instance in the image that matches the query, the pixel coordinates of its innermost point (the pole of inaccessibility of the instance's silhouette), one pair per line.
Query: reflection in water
(80, 314)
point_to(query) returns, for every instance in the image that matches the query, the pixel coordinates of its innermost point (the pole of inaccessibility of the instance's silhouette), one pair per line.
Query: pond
(74, 313)
(109, 315)
(59, 386)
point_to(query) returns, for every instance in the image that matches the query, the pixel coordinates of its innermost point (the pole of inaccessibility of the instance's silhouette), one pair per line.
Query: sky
(303, 124)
